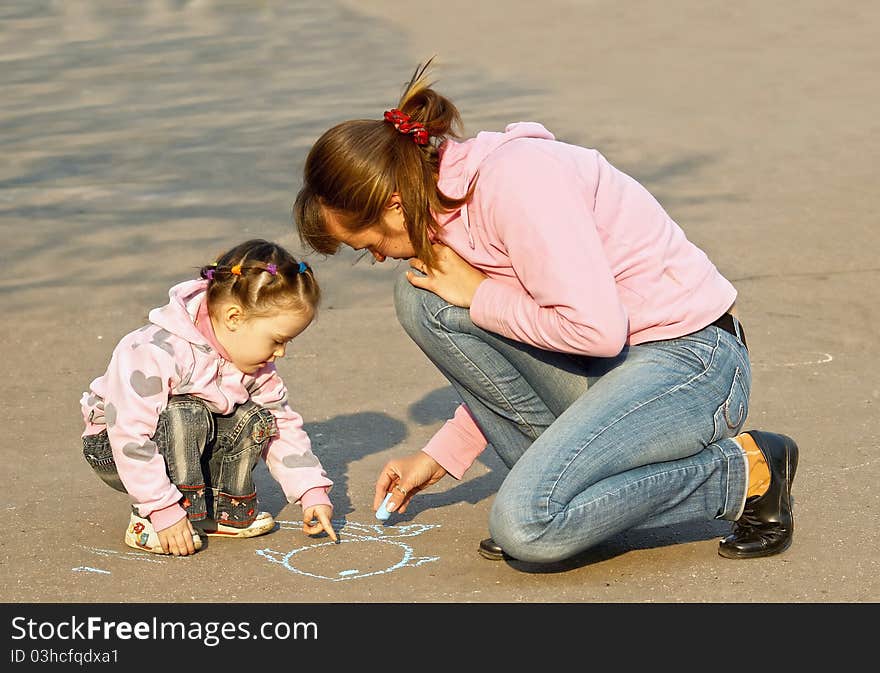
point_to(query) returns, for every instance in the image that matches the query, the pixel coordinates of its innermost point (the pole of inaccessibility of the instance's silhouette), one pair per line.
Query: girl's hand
(321, 514)
(177, 539)
(404, 477)
(453, 279)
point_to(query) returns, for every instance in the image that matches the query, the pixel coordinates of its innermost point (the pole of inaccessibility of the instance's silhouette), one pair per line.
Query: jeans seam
(636, 483)
(242, 422)
(629, 412)
(510, 407)
(727, 491)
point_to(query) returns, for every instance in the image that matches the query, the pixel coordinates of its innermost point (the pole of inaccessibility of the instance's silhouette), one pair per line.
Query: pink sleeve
(457, 443)
(167, 516)
(568, 301)
(315, 496)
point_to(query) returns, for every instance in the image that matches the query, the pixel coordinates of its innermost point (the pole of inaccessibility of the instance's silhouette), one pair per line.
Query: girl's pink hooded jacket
(580, 257)
(172, 356)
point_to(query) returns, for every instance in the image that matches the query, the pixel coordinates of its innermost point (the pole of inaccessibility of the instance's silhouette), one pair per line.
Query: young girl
(592, 344)
(191, 401)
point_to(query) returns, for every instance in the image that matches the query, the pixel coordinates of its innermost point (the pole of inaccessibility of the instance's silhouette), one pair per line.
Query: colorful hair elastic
(404, 123)
(210, 271)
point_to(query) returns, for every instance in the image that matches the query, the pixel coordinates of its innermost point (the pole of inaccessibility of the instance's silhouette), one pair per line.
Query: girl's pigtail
(207, 272)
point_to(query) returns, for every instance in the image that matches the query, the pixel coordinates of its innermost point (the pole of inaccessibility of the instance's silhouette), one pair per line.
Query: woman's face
(388, 238)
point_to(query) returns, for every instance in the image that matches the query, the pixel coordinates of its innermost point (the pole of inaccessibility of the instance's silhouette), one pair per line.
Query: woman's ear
(394, 202)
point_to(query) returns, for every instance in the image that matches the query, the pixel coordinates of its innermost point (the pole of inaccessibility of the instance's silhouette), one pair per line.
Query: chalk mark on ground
(89, 569)
(825, 359)
(355, 533)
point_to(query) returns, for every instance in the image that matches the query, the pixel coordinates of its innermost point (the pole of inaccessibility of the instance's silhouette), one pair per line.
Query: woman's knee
(520, 528)
(426, 316)
(409, 305)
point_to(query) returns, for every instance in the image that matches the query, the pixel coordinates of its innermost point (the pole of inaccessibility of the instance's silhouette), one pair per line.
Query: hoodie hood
(460, 162)
(178, 316)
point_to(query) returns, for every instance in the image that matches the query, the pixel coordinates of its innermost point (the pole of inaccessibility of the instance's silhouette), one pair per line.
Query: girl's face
(386, 239)
(253, 342)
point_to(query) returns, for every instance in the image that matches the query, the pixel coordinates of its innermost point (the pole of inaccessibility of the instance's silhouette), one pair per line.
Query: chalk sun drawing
(402, 554)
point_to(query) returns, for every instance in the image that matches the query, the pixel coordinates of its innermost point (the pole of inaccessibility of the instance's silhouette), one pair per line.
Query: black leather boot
(491, 550)
(766, 526)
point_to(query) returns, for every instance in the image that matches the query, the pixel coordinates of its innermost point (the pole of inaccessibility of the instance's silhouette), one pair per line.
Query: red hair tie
(403, 123)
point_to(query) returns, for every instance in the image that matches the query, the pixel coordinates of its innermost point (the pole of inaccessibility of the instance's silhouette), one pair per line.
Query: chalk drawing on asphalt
(384, 551)
(822, 359)
(125, 556)
(89, 569)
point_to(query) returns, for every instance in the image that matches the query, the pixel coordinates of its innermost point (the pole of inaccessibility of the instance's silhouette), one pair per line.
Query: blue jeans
(209, 457)
(595, 446)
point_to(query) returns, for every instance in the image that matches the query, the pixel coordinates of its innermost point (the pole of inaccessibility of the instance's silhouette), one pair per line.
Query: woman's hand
(320, 515)
(404, 477)
(177, 539)
(453, 279)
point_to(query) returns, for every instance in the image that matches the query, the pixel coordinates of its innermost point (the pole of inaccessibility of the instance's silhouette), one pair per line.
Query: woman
(593, 346)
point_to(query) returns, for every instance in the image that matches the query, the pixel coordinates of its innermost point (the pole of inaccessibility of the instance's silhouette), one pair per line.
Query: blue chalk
(383, 513)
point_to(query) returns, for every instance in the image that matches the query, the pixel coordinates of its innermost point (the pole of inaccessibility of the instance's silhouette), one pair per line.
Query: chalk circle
(352, 558)
(806, 359)
(363, 550)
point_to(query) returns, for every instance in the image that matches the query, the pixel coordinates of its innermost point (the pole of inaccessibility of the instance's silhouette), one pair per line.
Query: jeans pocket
(99, 455)
(731, 415)
(264, 428)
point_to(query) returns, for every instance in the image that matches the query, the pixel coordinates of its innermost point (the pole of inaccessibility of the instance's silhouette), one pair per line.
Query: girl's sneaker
(213, 528)
(141, 535)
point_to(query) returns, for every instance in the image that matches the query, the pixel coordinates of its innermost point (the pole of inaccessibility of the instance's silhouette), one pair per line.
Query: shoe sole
(733, 554)
(491, 555)
(238, 532)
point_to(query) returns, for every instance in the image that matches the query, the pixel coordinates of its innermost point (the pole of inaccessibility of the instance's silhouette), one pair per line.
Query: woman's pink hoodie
(580, 257)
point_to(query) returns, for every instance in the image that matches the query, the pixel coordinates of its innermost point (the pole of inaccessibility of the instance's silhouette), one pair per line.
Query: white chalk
(383, 513)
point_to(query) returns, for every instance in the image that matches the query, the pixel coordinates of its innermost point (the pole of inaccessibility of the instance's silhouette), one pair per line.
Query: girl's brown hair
(355, 167)
(262, 278)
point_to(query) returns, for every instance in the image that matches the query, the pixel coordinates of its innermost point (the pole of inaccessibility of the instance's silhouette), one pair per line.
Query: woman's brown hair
(355, 167)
